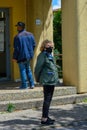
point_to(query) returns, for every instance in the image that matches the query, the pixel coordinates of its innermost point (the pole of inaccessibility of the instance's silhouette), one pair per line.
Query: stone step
(33, 98)
(36, 103)
(37, 92)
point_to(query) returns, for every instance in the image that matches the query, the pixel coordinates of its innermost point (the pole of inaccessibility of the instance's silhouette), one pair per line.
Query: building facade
(38, 17)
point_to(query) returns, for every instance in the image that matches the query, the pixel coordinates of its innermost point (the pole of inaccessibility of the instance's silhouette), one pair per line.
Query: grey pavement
(68, 117)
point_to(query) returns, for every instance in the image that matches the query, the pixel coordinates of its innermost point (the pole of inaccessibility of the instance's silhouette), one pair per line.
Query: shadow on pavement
(69, 117)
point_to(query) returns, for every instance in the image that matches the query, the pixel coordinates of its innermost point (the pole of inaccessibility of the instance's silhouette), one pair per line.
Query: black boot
(47, 122)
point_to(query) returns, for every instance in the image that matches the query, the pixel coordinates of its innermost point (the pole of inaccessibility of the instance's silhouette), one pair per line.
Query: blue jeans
(26, 73)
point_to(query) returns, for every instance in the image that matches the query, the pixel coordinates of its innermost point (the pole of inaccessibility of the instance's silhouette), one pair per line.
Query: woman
(46, 74)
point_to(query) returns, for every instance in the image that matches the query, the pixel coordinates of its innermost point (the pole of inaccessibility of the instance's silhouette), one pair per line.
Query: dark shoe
(47, 122)
(51, 119)
(23, 88)
(32, 87)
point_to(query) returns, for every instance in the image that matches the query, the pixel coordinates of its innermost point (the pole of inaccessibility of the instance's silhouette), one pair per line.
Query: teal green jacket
(45, 70)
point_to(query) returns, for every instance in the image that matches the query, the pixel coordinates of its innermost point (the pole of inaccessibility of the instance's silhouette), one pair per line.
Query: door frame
(7, 37)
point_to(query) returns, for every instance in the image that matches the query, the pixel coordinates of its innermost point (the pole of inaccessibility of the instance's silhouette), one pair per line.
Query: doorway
(4, 44)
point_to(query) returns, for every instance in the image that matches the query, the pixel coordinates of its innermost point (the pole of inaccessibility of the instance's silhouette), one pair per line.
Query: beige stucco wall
(82, 44)
(42, 10)
(74, 39)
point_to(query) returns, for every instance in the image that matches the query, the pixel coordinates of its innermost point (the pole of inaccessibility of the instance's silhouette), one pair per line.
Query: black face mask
(49, 50)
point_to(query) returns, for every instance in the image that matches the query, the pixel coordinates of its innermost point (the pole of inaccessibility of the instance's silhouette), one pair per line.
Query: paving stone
(68, 117)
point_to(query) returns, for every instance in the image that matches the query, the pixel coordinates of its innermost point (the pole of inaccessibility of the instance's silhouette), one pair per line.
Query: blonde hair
(43, 44)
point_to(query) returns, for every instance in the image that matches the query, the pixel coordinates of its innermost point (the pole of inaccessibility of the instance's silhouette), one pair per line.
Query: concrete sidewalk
(68, 117)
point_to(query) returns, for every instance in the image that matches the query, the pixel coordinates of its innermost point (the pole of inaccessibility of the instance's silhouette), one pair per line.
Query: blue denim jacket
(24, 44)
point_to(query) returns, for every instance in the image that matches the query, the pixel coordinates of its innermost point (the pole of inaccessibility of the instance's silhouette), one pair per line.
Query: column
(74, 43)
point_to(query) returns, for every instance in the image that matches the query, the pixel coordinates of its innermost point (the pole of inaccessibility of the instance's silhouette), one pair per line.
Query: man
(24, 44)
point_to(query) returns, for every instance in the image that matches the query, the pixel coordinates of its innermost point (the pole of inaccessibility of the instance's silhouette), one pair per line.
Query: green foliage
(85, 100)
(57, 37)
(56, 53)
(57, 32)
(11, 107)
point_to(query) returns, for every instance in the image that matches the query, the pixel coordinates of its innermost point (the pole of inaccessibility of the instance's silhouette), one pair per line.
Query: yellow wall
(82, 44)
(28, 11)
(74, 41)
(42, 10)
(69, 43)
(17, 10)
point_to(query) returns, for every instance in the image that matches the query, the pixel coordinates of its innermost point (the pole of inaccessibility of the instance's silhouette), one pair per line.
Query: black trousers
(48, 94)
